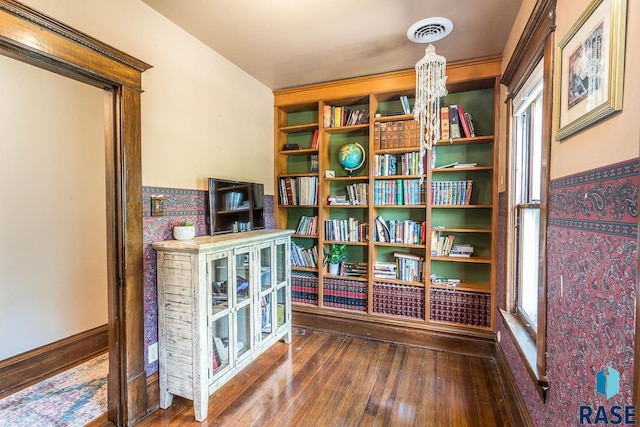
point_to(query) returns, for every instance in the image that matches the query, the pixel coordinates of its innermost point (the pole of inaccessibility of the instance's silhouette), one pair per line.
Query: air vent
(429, 30)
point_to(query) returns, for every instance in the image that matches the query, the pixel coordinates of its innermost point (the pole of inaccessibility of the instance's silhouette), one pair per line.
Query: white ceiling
(285, 43)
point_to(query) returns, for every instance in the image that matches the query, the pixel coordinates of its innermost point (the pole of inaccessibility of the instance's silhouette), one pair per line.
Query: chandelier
(431, 80)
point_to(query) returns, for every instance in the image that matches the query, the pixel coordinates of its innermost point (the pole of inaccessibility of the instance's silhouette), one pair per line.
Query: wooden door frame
(32, 37)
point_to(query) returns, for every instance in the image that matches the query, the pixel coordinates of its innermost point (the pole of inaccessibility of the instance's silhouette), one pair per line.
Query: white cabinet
(222, 301)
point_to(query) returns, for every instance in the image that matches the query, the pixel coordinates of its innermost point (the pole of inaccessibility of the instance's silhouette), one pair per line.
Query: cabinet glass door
(219, 280)
(281, 308)
(244, 322)
(243, 275)
(265, 268)
(266, 315)
(281, 262)
(219, 352)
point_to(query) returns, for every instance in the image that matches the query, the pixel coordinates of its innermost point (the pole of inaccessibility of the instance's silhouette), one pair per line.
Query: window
(526, 176)
(528, 78)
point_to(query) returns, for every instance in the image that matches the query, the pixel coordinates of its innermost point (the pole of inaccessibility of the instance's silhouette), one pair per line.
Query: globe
(351, 157)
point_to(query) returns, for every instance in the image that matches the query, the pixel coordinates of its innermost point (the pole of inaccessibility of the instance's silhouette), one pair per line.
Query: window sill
(527, 349)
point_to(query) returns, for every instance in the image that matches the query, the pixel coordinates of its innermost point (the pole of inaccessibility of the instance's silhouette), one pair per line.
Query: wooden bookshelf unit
(415, 276)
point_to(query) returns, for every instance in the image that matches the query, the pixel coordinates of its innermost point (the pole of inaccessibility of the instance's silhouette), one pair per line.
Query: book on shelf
(406, 107)
(466, 132)
(346, 230)
(409, 267)
(384, 270)
(465, 165)
(450, 193)
(444, 123)
(314, 139)
(307, 225)
(448, 165)
(469, 121)
(353, 269)
(455, 131)
(337, 116)
(304, 257)
(382, 230)
(315, 163)
(298, 190)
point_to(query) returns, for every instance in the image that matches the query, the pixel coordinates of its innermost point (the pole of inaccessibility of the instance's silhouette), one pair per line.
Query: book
(448, 165)
(454, 122)
(463, 122)
(444, 123)
(469, 120)
(404, 100)
(384, 234)
(314, 139)
(464, 165)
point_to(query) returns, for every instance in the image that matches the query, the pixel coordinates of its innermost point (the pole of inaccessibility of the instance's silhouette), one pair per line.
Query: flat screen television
(235, 206)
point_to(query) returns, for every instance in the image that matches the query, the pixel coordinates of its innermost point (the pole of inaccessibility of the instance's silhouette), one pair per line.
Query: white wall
(201, 115)
(53, 264)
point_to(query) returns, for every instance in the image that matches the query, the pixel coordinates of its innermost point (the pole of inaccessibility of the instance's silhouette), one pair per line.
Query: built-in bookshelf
(419, 230)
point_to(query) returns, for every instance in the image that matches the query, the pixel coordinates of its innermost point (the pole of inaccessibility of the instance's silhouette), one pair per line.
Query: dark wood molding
(385, 332)
(515, 401)
(43, 362)
(530, 47)
(32, 37)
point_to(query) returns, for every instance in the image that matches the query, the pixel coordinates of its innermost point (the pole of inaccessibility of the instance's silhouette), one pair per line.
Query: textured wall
(592, 251)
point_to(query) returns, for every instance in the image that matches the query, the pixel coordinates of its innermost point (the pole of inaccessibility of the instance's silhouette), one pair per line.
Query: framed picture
(591, 67)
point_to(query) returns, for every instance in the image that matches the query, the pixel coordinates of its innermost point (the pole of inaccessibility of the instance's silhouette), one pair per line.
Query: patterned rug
(72, 398)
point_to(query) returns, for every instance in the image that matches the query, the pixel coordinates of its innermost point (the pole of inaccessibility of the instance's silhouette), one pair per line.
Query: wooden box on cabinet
(222, 301)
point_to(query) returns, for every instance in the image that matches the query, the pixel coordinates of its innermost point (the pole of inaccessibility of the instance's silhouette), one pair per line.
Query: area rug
(71, 398)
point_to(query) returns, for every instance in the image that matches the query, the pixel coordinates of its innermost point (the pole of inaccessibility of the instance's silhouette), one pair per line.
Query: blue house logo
(607, 385)
(608, 382)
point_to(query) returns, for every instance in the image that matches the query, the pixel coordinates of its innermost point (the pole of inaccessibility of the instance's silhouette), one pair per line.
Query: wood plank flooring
(328, 379)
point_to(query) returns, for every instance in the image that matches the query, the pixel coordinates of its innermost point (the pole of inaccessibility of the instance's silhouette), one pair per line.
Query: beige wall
(616, 138)
(53, 268)
(198, 111)
(201, 115)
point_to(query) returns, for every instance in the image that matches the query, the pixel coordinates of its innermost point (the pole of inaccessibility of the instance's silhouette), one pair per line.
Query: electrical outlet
(152, 352)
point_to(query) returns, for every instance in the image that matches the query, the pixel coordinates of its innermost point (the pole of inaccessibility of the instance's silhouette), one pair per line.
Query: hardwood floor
(328, 379)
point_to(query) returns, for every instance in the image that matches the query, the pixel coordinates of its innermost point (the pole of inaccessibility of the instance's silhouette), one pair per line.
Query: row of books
(410, 267)
(397, 164)
(315, 163)
(344, 293)
(346, 230)
(304, 257)
(447, 193)
(357, 194)
(455, 123)
(396, 134)
(336, 116)
(398, 192)
(304, 287)
(307, 225)
(398, 300)
(298, 191)
(442, 244)
(406, 232)
(353, 269)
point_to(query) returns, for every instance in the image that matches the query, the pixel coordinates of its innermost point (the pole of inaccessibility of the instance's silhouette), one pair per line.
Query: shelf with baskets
(386, 209)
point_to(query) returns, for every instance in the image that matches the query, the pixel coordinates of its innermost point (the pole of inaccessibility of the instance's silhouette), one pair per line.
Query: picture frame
(590, 61)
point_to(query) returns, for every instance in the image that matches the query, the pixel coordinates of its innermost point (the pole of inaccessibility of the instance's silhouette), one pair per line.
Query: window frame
(535, 45)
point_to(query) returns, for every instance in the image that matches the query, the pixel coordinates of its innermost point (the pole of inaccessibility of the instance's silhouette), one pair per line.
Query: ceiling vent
(429, 30)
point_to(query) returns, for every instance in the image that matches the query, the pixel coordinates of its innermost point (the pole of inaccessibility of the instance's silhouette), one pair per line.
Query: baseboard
(153, 392)
(43, 362)
(475, 346)
(515, 401)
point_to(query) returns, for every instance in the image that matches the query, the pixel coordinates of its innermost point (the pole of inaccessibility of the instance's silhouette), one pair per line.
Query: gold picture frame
(590, 62)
